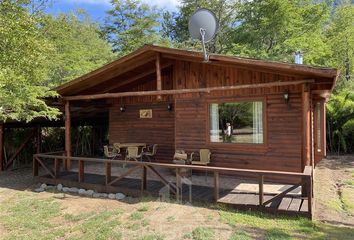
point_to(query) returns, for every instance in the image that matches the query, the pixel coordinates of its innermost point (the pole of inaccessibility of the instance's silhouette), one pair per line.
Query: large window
(236, 122)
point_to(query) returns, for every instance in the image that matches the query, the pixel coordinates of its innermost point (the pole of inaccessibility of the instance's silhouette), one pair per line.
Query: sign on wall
(145, 113)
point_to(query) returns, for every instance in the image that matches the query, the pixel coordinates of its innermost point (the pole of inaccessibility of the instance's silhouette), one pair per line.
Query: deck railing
(305, 178)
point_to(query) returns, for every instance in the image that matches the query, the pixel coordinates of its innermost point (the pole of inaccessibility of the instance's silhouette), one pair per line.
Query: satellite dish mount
(203, 26)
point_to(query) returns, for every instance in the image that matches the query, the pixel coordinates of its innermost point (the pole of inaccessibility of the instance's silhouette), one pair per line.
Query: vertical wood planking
(108, 172)
(67, 135)
(81, 171)
(216, 186)
(158, 74)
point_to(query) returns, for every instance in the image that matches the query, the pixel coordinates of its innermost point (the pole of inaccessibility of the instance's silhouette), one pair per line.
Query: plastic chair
(112, 154)
(133, 153)
(151, 154)
(204, 159)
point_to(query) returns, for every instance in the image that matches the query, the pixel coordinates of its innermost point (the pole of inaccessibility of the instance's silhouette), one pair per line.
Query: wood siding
(186, 127)
(129, 127)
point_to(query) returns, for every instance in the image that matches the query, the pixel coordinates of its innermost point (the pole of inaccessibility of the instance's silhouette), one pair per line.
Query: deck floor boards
(199, 193)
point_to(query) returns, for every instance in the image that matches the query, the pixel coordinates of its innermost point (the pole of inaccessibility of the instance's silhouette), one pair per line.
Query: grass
(25, 216)
(201, 233)
(240, 235)
(278, 227)
(151, 237)
(136, 216)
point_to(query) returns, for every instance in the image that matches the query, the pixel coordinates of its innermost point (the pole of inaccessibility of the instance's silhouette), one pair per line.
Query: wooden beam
(67, 164)
(184, 91)
(2, 157)
(133, 79)
(306, 130)
(216, 186)
(20, 148)
(158, 75)
(260, 186)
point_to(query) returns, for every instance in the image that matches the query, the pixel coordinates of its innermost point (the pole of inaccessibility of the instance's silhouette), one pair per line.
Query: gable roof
(145, 56)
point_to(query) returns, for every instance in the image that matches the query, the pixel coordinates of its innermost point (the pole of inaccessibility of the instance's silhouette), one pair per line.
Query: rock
(65, 189)
(39, 190)
(73, 190)
(120, 196)
(60, 187)
(59, 195)
(104, 195)
(96, 195)
(111, 196)
(89, 193)
(43, 186)
(50, 187)
(82, 191)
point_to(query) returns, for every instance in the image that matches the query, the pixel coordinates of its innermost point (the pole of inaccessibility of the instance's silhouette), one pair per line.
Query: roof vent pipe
(298, 57)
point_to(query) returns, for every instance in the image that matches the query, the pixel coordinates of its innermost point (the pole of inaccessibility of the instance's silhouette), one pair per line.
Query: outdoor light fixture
(169, 107)
(286, 97)
(122, 108)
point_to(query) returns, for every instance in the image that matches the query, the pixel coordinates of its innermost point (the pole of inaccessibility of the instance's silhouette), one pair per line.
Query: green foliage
(275, 29)
(176, 24)
(340, 122)
(78, 46)
(23, 62)
(130, 24)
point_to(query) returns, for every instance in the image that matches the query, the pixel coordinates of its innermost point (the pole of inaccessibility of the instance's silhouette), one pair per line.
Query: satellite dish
(203, 26)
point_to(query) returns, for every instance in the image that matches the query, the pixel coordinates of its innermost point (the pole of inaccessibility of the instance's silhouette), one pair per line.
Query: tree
(131, 24)
(23, 52)
(176, 23)
(340, 122)
(275, 29)
(78, 46)
(340, 38)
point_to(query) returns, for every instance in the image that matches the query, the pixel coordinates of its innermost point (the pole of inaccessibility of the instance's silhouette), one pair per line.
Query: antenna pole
(202, 33)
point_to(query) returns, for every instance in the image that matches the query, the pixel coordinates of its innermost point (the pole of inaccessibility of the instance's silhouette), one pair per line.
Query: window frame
(243, 147)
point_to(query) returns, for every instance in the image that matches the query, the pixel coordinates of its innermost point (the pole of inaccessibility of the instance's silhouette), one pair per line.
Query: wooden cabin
(276, 111)
(258, 118)
(250, 113)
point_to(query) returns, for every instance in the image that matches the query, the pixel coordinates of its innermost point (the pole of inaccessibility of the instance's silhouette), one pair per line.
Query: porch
(239, 188)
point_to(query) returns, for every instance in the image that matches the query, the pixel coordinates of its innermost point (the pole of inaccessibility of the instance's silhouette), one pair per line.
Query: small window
(318, 127)
(236, 122)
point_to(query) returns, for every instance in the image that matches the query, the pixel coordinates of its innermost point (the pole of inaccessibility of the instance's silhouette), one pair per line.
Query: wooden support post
(306, 130)
(158, 75)
(67, 135)
(35, 167)
(143, 178)
(260, 186)
(57, 167)
(216, 186)
(309, 195)
(108, 173)
(2, 140)
(178, 184)
(39, 139)
(81, 171)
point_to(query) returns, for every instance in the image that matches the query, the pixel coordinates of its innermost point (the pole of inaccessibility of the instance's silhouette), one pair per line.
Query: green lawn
(27, 216)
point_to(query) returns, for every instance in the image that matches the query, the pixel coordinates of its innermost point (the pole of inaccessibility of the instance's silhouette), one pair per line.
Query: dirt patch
(334, 194)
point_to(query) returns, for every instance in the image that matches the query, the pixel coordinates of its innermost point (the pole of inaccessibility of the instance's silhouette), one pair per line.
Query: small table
(126, 145)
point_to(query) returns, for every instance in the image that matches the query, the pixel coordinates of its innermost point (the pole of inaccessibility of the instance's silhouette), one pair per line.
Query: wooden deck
(290, 205)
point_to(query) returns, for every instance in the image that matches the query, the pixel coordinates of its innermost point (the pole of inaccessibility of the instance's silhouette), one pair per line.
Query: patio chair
(112, 154)
(204, 159)
(133, 154)
(151, 153)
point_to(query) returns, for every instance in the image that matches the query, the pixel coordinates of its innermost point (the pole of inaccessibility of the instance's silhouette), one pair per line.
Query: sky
(97, 8)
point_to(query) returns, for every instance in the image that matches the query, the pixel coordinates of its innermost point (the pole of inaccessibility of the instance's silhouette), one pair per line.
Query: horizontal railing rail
(304, 178)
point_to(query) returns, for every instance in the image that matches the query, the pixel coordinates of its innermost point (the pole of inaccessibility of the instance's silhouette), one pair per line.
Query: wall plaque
(145, 113)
